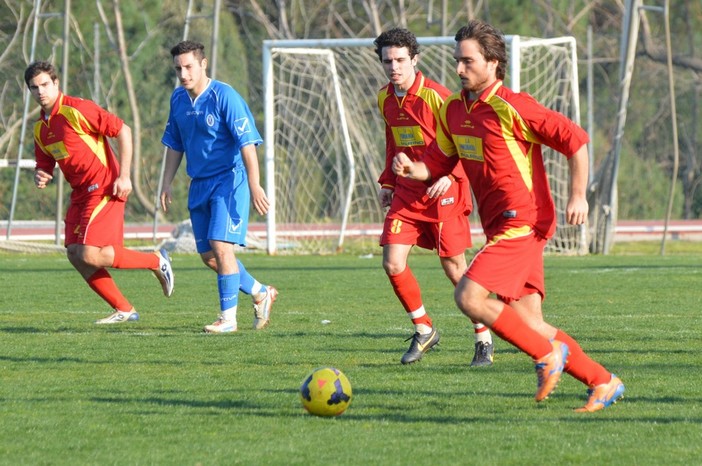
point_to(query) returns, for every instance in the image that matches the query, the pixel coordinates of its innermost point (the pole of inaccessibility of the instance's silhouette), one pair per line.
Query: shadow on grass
(402, 414)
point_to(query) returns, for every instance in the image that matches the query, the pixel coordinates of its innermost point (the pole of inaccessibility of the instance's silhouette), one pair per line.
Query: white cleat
(165, 272)
(119, 317)
(221, 326)
(262, 309)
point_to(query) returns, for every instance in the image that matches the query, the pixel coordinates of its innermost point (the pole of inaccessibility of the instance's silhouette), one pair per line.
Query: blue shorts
(219, 208)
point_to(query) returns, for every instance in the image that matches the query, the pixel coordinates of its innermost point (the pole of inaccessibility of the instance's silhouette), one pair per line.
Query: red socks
(407, 290)
(131, 259)
(511, 328)
(101, 282)
(579, 364)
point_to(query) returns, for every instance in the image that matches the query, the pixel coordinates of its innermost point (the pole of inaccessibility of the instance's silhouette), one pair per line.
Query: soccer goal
(324, 137)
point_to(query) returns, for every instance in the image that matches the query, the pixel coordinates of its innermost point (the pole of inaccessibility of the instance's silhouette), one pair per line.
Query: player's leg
(604, 388)
(227, 287)
(208, 235)
(397, 240)
(86, 234)
(105, 228)
(452, 238)
(101, 282)
(499, 268)
(263, 297)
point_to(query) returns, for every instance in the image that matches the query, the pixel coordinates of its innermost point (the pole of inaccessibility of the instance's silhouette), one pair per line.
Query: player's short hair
(396, 37)
(490, 40)
(37, 68)
(188, 46)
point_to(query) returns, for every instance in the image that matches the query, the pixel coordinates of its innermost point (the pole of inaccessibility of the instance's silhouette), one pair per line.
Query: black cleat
(420, 345)
(483, 354)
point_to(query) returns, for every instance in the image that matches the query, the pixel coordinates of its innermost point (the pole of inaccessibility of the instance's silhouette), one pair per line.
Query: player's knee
(393, 267)
(209, 260)
(469, 303)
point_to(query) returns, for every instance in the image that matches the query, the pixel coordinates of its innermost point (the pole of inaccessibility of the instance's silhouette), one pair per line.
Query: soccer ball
(326, 392)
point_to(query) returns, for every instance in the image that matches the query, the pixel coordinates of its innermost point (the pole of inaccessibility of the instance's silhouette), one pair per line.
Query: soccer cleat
(603, 396)
(221, 326)
(549, 370)
(420, 345)
(262, 308)
(119, 317)
(483, 354)
(165, 272)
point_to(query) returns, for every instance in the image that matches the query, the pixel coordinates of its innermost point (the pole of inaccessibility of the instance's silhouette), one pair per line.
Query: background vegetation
(151, 28)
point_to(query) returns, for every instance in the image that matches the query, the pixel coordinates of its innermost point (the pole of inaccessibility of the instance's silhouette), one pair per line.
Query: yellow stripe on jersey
(511, 234)
(508, 118)
(77, 121)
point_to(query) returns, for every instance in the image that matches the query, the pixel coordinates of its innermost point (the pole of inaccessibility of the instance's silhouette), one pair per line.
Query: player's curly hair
(396, 37)
(37, 68)
(188, 46)
(491, 41)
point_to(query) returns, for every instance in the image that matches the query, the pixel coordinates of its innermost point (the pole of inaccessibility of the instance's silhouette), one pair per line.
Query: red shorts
(510, 268)
(99, 221)
(450, 238)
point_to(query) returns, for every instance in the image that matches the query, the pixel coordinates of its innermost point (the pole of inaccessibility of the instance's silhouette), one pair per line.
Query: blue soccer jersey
(211, 129)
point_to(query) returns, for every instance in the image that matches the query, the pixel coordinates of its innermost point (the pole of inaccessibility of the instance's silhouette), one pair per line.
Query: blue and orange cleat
(603, 396)
(549, 370)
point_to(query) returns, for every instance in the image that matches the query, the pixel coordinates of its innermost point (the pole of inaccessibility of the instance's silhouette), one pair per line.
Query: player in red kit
(72, 133)
(431, 217)
(496, 134)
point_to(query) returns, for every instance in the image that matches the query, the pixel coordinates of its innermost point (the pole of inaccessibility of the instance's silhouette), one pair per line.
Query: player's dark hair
(396, 37)
(188, 46)
(490, 40)
(37, 68)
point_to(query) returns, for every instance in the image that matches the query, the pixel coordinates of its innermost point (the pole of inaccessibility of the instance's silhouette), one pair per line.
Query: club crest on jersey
(210, 120)
(242, 126)
(448, 201)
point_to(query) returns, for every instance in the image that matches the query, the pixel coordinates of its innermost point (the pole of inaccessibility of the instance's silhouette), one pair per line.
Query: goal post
(325, 140)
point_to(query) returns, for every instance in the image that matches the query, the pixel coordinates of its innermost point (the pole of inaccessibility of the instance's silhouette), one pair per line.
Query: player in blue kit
(212, 124)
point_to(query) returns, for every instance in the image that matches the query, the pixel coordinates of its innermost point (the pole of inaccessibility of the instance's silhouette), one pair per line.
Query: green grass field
(161, 392)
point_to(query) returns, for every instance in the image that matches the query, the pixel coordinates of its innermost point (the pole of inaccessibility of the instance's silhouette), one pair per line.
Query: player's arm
(173, 159)
(387, 179)
(258, 195)
(403, 166)
(44, 167)
(577, 208)
(123, 184)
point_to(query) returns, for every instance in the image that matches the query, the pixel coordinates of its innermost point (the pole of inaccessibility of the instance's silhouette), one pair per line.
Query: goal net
(325, 145)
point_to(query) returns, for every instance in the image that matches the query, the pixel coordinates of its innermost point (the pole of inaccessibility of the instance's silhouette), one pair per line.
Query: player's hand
(402, 165)
(385, 197)
(42, 178)
(122, 187)
(440, 187)
(260, 200)
(577, 210)
(165, 198)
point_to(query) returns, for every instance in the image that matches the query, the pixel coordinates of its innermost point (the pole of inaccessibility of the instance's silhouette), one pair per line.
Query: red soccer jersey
(410, 126)
(75, 135)
(498, 137)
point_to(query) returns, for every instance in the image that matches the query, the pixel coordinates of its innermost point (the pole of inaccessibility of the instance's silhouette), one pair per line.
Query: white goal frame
(325, 48)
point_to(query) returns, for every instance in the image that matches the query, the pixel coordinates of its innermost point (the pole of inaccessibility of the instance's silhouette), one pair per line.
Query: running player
(72, 133)
(432, 217)
(496, 134)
